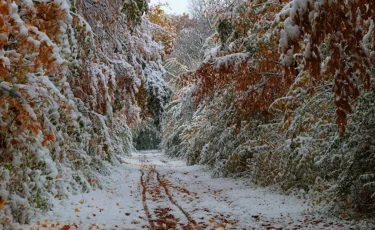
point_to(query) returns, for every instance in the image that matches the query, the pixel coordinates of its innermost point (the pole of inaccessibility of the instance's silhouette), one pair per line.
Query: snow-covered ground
(150, 191)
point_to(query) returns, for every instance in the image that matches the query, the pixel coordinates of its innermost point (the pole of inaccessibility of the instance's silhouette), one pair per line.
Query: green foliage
(356, 180)
(146, 135)
(312, 129)
(134, 10)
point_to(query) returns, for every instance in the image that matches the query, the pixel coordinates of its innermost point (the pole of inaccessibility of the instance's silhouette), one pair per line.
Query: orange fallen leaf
(65, 227)
(211, 221)
(218, 226)
(2, 203)
(76, 210)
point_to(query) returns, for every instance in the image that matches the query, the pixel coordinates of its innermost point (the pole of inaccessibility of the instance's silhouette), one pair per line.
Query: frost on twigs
(67, 97)
(346, 28)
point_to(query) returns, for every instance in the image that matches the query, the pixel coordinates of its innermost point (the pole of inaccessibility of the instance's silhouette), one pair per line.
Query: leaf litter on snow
(193, 198)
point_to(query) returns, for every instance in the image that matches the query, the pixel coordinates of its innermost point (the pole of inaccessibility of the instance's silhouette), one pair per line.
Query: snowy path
(150, 191)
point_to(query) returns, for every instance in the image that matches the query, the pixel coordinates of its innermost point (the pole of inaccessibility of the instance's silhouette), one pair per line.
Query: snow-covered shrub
(68, 80)
(284, 96)
(356, 179)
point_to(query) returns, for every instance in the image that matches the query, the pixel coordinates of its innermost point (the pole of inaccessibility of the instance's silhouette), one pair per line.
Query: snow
(235, 60)
(283, 40)
(291, 29)
(307, 53)
(28, 3)
(13, 11)
(298, 6)
(366, 42)
(194, 199)
(288, 58)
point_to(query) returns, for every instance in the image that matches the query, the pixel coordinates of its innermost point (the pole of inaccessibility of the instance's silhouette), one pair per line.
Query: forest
(279, 92)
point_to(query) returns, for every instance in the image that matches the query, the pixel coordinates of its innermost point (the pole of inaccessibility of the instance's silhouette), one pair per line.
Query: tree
(162, 28)
(192, 32)
(284, 93)
(68, 85)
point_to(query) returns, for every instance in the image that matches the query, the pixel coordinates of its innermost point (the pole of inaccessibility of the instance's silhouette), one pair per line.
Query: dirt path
(158, 191)
(150, 191)
(155, 189)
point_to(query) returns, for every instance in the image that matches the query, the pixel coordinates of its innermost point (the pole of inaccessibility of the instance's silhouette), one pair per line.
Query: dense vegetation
(281, 91)
(285, 94)
(75, 78)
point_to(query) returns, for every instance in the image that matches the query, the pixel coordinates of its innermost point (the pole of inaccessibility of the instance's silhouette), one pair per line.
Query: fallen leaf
(65, 227)
(76, 210)
(218, 226)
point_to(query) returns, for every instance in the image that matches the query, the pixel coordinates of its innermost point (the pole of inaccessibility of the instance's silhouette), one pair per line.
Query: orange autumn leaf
(65, 227)
(48, 137)
(2, 204)
(35, 128)
(218, 226)
(76, 210)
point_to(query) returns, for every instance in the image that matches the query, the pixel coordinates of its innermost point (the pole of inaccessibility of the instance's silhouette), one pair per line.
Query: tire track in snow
(163, 217)
(192, 223)
(144, 201)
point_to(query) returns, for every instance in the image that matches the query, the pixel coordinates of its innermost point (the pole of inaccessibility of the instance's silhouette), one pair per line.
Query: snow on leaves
(276, 77)
(67, 88)
(345, 26)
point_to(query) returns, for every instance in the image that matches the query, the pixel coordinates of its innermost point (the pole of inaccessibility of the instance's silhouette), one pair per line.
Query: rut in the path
(192, 222)
(164, 220)
(144, 201)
